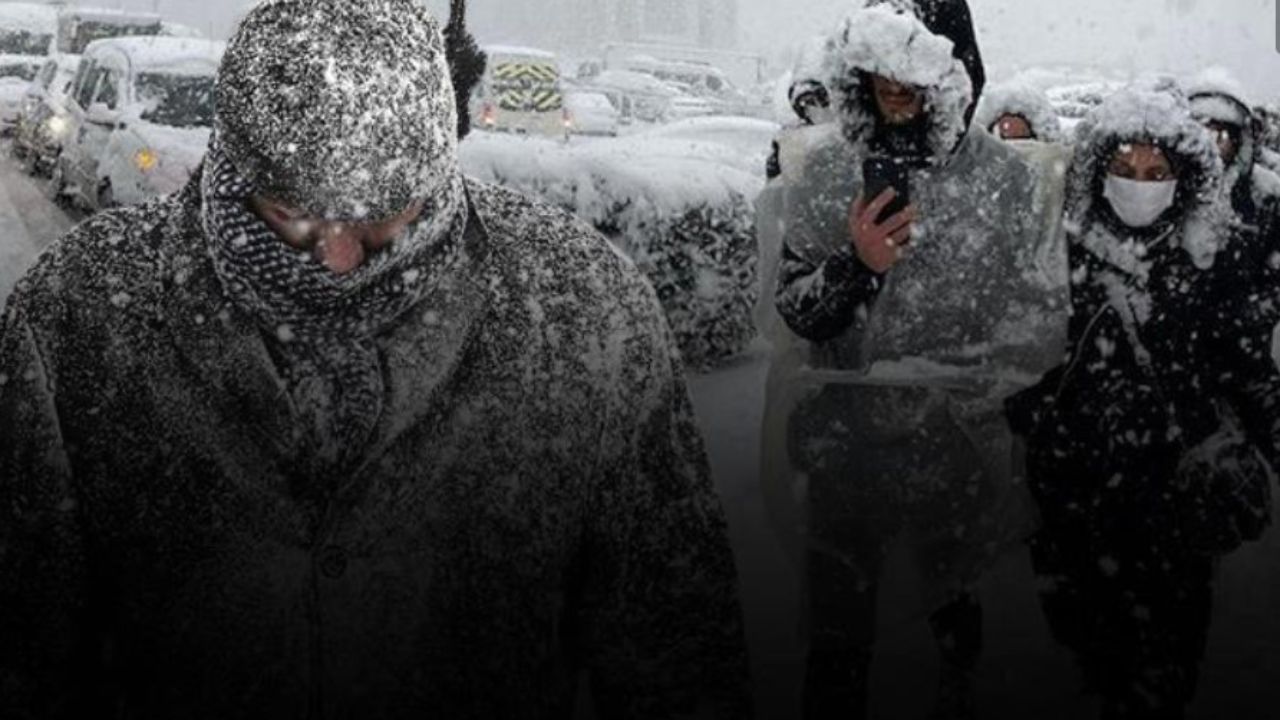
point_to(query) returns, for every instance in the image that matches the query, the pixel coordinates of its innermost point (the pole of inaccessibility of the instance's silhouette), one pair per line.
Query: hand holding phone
(879, 245)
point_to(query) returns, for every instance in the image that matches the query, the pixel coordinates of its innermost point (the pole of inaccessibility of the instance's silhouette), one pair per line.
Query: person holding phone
(920, 264)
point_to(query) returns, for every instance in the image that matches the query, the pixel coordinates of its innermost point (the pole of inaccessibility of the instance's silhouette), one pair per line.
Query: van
(140, 114)
(80, 26)
(521, 93)
(27, 33)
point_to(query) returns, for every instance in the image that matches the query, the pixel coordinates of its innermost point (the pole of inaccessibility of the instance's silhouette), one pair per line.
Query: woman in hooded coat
(1143, 448)
(895, 424)
(1015, 106)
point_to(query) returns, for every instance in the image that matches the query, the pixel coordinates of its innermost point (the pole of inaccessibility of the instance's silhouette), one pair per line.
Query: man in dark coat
(1148, 450)
(336, 433)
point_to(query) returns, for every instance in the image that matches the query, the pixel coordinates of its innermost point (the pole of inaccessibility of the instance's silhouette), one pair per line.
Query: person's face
(1014, 127)
(1142, 162)
(340, 246)
(1225, 137)
(898, 104)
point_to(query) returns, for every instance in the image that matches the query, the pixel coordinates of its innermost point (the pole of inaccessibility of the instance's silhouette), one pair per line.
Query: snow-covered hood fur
(929, 44)
(342, 109)
(1152, 113)
(1217, 96)
(1025, 101)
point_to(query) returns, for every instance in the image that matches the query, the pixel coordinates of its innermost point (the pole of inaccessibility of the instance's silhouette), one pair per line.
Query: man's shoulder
(109, 263)
(549, 258)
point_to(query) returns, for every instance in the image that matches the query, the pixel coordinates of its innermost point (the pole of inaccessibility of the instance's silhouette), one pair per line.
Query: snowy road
(1024, 675)
(28, 221)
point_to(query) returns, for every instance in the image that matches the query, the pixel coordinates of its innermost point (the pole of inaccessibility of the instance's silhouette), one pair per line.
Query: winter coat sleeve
(42, 563)
(662, 625)
(820, 301)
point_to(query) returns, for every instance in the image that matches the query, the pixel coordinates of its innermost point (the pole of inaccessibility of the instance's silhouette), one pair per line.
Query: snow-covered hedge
(681, 207)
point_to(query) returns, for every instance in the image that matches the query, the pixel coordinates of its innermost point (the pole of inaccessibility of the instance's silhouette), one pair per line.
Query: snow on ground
(1024, 676)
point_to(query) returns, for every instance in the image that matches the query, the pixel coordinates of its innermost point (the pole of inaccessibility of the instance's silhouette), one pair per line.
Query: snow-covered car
(674, 205)
(521, 93)
(639, 97)
(78, 26)
(690, 106)
(43, 124)
(141, 112)
(26, 37)
(591, 113)
(737, 142)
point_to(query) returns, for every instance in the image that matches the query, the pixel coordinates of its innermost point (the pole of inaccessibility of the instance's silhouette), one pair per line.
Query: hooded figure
(1218, 102)
(237, 483)
(895, 423)
(1022, 101)
(1143, 448)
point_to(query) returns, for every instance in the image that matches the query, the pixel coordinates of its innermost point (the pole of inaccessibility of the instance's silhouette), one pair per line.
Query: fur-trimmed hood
(929, 44)
(1153, 113)
(1025, 101)
(1216, 95)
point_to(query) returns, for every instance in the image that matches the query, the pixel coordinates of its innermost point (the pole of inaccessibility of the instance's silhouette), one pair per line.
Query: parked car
(591, 113)
(521, 92)
(141, 110)
(639, 97)
(43, 124)
(26, 37)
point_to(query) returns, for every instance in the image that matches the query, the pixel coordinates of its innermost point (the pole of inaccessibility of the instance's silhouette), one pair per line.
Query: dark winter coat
(534, 501)
(1150, 441)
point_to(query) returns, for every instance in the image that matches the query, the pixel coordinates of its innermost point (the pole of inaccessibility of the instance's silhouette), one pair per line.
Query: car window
(108, 89)
(86, 82)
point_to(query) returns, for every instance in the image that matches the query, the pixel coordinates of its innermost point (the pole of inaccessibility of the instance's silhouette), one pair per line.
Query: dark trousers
(841, 634)
(1137, 621)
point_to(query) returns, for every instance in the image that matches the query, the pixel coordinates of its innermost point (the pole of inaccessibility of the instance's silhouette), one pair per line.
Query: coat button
(333, 562)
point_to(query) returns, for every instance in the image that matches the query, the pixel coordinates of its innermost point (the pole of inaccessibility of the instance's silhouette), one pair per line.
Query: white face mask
(1139, 204)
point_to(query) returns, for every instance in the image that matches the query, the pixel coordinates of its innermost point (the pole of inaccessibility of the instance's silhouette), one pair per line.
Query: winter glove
(1223, 494)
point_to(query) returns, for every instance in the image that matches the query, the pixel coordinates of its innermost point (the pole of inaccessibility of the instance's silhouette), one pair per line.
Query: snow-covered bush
(675, 205)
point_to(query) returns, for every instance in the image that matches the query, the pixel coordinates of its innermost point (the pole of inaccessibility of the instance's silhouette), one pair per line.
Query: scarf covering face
(321, 325)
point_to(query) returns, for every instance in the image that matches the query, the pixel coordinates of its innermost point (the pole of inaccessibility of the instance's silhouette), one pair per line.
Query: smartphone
(880, 174)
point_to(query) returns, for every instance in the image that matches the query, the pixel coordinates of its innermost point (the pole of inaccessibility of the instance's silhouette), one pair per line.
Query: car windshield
(22, 42)
(24, 72)
(183, 101)
(89, 31)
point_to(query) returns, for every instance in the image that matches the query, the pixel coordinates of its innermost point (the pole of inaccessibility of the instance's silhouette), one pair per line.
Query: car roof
(519, 51)
(123, 17)
(153, 52)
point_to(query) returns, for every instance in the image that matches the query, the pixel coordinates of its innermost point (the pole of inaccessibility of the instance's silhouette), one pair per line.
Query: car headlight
(146, 159)
(56, 126)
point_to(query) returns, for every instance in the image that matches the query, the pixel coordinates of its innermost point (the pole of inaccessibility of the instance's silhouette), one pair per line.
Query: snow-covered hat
(1025, 101)
(342, 109)
(929, 44)
(1157, 113)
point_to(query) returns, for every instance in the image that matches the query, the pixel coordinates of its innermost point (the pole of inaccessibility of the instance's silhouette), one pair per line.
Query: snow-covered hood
(929, 44)
(1217, 96)
(180, 149)
(1025, 101)
(1158, 114)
